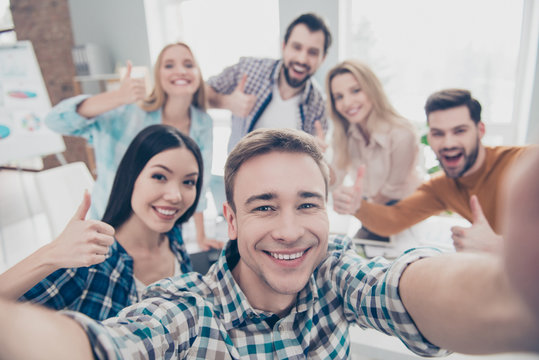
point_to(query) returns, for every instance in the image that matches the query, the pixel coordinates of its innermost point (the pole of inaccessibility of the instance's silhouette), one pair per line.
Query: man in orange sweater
(470, 168)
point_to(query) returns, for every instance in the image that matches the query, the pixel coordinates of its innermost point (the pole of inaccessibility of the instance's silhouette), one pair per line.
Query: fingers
(477, 211)
(101, 227)
(319, 130)
(128, 71)
(82, 210)
(241, 85)
(358, 184)
(216, 244)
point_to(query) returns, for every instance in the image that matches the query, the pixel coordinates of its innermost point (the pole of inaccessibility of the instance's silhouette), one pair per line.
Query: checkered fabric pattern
(111, 133)
(209, 317)
(102, 290)
(261, 76)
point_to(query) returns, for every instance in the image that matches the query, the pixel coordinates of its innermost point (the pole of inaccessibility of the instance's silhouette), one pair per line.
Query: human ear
(231, 220)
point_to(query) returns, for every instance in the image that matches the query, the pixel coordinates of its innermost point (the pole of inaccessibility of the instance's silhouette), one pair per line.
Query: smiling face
(281, 225)
(456, 140)
(165, 189)
(178, 72)
(302, 55)
(349, 98)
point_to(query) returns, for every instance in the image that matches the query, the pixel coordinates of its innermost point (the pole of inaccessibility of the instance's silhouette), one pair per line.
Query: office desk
(374, 345)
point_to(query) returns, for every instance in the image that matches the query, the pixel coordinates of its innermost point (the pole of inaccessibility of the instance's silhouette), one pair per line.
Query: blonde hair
(158, 97)
(382, 117)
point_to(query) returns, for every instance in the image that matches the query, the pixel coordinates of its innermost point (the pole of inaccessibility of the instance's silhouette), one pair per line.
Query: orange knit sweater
(442, 193)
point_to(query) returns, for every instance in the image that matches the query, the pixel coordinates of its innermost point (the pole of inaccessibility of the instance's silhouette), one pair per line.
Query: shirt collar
(237, 310)
(377, 138)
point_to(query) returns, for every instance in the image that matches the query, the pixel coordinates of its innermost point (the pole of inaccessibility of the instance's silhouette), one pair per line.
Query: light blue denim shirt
(111, 133)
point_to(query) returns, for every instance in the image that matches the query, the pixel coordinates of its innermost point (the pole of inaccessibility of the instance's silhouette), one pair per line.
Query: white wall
(117, 25)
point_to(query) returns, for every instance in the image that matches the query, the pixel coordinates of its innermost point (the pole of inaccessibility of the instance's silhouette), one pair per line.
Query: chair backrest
(61, 190)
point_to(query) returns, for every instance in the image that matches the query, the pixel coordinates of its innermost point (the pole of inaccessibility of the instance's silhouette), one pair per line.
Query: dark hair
(149, 142)
(265, 141)
(450, 98)
(313, 23)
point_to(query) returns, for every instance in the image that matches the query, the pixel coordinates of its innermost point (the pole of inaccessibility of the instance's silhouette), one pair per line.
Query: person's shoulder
(249, 61)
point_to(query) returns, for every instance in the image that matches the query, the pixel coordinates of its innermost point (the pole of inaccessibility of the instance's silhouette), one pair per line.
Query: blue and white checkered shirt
(262, 74)
(100, 291)
(111, 133)
(209, 317)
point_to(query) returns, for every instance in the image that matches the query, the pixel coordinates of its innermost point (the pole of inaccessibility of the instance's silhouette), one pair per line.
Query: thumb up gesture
(240, 103)
(83, 242)
(479, 237)
(131, 90)
(320, 136)
(347, 199)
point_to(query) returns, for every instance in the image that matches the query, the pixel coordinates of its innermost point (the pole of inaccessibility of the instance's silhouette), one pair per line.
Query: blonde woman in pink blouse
(369, 132)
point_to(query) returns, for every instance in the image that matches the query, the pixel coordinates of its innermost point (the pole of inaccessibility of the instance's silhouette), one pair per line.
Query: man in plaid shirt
(269, 93)
(282, 290)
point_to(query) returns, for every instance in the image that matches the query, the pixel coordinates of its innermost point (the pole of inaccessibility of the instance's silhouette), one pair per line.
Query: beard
(469, 161)
(294, 83)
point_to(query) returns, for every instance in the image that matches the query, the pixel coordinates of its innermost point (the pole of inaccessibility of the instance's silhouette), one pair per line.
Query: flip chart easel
(24, 102)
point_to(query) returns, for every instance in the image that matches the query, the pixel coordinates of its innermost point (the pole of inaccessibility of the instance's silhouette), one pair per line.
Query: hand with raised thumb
(347, 199)
(239, 102)
(83, 242)
(479, 237)
(131, 90)
(320, 136)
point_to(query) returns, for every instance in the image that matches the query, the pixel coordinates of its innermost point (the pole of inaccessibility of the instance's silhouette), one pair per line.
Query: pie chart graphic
(4, 132)
(21, 94)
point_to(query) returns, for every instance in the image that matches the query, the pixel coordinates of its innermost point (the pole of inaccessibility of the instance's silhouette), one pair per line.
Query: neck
(132, 234)
(260, 295)
(481, 158)
(176, 112)
(287, 91)
(363, 131)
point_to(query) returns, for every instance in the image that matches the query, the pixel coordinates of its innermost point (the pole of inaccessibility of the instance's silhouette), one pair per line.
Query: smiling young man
(269, 93)
(469, 168)
(283, 289)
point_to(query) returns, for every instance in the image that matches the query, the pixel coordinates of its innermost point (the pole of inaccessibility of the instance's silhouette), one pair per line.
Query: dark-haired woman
(98, 269)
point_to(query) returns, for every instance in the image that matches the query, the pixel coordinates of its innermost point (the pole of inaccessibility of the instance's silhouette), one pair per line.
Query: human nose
(173, 194)
(288, 227)
(302, 56)
(449, 141)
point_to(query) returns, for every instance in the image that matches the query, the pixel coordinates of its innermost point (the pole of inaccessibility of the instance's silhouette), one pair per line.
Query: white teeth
(287, 256)
(299, 68)
(166, 212)
(180, 82)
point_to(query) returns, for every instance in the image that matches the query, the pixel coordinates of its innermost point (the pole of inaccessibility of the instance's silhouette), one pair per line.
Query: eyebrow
(265, 197)
(271, 196)
(194, 173)
(310, 194)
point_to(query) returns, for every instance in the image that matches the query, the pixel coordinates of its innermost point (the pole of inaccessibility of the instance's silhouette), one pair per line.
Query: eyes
(339, 96)
(272, 208)
(458, 131)
(162, 178)
(313, 52)
(186, 64)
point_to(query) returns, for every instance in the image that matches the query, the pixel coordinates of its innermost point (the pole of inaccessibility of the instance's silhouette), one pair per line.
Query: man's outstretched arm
(465, 303)
(33, 332)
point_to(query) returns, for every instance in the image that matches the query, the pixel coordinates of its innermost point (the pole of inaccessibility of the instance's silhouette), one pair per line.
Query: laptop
(202, 261)
(365, 237)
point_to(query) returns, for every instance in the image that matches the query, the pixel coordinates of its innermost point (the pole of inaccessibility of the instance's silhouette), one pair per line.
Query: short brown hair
(451, 98)
(265, 141)
(314, 23)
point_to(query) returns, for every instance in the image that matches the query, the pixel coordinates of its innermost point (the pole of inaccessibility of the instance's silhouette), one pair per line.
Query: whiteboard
(24, 102)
